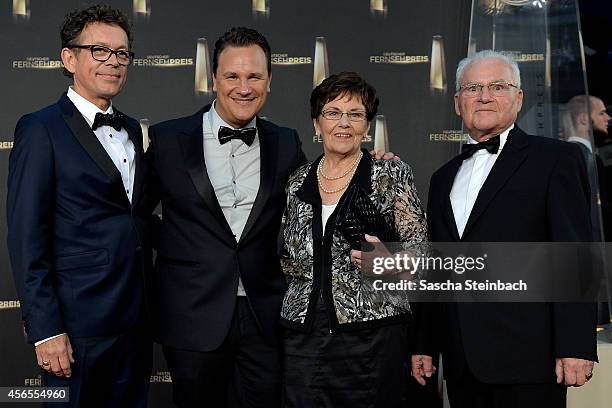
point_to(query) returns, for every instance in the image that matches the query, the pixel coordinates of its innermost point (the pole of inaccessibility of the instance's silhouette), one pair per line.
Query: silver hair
(486, 54)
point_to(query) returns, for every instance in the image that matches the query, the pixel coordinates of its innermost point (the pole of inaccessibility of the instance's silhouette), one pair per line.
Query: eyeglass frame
(482, 86)
(364, 113)
(91, 47)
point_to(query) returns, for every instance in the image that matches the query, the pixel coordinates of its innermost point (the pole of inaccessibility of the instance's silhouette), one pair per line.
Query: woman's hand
(356, 255)
(381, 251)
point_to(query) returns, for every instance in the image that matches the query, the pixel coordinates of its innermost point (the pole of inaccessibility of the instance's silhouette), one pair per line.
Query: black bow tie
(115, 120)
(492, 146)
(247, 135)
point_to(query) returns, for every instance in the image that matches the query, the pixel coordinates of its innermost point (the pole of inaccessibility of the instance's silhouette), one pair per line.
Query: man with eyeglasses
(77, 233)
(507, 186)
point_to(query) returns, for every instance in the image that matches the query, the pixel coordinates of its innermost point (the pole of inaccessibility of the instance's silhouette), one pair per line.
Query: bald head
(579, 106)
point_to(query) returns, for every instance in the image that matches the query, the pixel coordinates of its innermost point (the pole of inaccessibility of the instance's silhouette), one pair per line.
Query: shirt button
(127, 191)
(125, 160)
(234, 181)
(111, 135)
(235, 206)
(233, 155)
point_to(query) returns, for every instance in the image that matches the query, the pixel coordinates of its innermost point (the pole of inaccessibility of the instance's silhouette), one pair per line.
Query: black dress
(364, 368)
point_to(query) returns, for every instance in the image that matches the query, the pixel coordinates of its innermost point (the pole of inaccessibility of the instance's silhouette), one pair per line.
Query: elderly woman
(346, 344)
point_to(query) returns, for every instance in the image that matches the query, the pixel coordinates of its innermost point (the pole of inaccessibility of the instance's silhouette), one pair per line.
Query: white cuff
(48, 338)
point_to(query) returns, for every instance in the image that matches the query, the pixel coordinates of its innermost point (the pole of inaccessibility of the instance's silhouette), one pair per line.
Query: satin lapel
(192, 147)
(88, 140)
(447, 209)
(268, 153)
(135, 135)
(509, 160)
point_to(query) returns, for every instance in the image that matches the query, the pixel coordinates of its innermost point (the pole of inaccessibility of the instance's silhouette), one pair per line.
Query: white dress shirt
(470, 178)
(116, 143)
(234, 170)
(582, 141)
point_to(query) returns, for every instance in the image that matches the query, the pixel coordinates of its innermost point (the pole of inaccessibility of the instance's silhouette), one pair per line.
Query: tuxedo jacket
(78, 247)
(198, 260)
(537, 191)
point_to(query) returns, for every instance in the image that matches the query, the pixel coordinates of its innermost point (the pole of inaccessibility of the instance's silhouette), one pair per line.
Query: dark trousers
(113, 371)
(469, 392)
(244, 371)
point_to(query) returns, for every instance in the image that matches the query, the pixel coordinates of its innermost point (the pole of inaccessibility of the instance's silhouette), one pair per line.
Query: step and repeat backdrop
(407, 49)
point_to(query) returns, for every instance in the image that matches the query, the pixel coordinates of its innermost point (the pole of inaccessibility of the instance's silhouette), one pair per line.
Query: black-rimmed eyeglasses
(102, 53)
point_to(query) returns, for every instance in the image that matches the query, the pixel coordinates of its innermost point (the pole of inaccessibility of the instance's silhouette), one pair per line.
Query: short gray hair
(486, 54)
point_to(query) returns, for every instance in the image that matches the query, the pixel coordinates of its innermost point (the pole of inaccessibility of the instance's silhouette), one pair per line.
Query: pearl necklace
(320, 172)
(326, 177)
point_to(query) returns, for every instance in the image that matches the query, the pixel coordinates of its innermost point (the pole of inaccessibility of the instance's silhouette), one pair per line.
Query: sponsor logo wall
(407, 49)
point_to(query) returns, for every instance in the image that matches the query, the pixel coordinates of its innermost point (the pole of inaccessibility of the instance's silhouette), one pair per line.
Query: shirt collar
(216, 121)
(503, 137)
(583, 141)
(87, 109)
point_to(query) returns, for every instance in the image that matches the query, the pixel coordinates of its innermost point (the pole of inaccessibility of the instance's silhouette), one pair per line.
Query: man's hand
(573, 371)
(422, 367)
(55, 356)
(379, 154)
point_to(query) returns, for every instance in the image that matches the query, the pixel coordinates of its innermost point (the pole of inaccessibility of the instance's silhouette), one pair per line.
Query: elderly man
(508, 186)
(76, 224)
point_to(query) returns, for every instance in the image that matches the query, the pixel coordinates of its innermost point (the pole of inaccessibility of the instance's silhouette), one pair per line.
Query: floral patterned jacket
(318, 266)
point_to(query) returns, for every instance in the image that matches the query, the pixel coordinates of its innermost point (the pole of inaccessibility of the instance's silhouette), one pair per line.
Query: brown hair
(344, 83)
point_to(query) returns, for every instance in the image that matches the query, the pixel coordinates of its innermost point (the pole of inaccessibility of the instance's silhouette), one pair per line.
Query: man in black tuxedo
(510, 187)
(221, 175)
(77, 234)
(588, 113)
(579, 132)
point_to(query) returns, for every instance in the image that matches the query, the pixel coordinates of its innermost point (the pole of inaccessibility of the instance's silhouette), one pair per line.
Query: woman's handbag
(358, 216)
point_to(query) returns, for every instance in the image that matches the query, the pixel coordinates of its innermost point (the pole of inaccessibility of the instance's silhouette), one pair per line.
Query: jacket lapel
(509, 160)
(447, 208)
(192, 147)
(135, 135)
(268, 152)
(88, 140)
